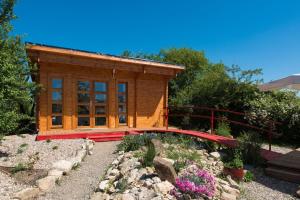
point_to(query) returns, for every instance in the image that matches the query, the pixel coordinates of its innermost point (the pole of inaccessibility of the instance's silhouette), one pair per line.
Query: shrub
(248, 176)
(234, 161)
(223, 129)
(149, 156)
(133, 142)
(250, 145)
(196, 185)
(54, 147)
(19, 167)
(122, 185)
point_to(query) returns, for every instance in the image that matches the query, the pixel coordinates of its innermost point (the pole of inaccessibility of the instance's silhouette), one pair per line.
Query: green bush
(234, 159)
(149, 156)
(133, 142)
(249, 176)
(250, 145)
(19, 167)
(122, 185)
(223, 129)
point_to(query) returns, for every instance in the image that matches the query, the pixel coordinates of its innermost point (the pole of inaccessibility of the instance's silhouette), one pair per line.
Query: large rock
(232, 182)
(215, 155)
(231, 190)
(103, 185)
(63, 165)
(165, 170)
(163, 187)
(158, 146)
(47, 183)
(128, 165)
(226, 196)
(27, 193)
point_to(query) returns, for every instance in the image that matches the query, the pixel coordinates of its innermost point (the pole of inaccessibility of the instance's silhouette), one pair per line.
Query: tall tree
(15, 87)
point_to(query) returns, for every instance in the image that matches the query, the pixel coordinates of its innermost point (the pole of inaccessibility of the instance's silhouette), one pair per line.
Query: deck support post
(167, 118)
(270, 135)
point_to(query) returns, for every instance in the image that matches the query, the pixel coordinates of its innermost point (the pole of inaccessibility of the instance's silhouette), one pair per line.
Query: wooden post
(167, 118)
(212, 117)
(270, 135)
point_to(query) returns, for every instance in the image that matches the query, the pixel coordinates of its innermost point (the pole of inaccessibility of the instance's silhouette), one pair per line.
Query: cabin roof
(35, 47)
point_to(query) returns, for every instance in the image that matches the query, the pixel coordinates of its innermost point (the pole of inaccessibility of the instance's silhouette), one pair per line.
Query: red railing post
(212, 117)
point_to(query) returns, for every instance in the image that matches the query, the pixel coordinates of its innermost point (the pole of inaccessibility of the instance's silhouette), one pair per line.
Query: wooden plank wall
(147, 95)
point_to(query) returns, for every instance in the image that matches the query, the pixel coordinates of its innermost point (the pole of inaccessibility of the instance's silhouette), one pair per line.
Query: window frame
(61, 102)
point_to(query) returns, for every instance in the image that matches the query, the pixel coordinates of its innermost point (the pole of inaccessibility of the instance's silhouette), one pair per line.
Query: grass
(75, 167)
(249, 176)
(23, 145)
(122, 185)
(22, 148)
(48, 140)
(18, 168)
(55, 147)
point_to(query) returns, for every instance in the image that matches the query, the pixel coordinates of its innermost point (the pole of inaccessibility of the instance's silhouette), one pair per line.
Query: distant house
(90, 90)
(288, 83)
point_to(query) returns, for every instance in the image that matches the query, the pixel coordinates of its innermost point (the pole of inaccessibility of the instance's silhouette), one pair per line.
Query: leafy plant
(223, 129)
(19, 167)
(133, 142)
(55, 147)
(249, 176)
(178, 165)
(48, 140)
(122, 185)
(23, 145)
(149, 156)
(235, 162)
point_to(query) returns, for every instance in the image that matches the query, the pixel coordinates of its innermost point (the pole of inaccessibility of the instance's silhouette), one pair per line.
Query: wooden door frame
(117, 103)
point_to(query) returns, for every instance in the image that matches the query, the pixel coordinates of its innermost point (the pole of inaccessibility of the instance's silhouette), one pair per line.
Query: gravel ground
(278, 149)
(20, 148)
(268, 188)
(9, 186)
(82, 182)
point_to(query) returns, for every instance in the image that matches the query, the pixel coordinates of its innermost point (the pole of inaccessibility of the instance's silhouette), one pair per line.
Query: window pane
(100, 87)
(56, 108)
(122, 119)
(83, 121)
(122, 108)
(122, 87)
(83, 98)
(100, 110)
(56, 96)
(121, 98)
(56, 83)
(56, 120)
(83, 110)
(100, 121)
(83, 85)
(100, 98)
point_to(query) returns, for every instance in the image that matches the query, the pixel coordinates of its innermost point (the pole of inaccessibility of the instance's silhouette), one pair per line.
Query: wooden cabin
(83, 89)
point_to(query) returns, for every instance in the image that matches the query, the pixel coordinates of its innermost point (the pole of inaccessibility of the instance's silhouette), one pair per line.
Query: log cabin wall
(146, 95)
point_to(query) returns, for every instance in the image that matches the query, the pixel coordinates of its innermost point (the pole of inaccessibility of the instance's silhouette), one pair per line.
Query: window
(56, 102)
(83, 103)
(100, 102)
(122, 103)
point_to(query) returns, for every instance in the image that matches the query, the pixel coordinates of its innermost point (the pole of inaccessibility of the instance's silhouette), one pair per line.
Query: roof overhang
(50, 54)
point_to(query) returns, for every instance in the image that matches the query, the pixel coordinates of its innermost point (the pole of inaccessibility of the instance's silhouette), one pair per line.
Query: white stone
(114, 172)
(127, 197)
(232, 183)
(103, 185)
(231, 190)
(63, 165)
(132, 175)
(169, 160)
(226, 196)
(81, 154)
(75, 161)
(46, 184)
(163, 187)
(27, 193)
(56, 173)
(156, 179)
(115, 162)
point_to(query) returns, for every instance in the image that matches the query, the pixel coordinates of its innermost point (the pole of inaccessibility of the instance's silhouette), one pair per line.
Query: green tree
(15, 87)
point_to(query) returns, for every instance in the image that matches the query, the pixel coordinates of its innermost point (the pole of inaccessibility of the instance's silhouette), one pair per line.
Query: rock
(128, 165)
(80, 154)
(226, 196)
(165, 170)
(56, 173)
(99, 196)
(169, 160)
(158, 146)
(156, 179)
(47, 183)
(27, 193)
(146, 194)
(232, 182)
(63, 165)
(231, 190)
(75, 161)
(148, 182)
(163, 187)
(298, 192)
(158, 198)
(103, 185)
(128, 197)
(133, 175)
(115, 162)
(114, 172)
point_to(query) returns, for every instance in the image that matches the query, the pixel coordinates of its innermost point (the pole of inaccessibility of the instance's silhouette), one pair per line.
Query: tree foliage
(15, 87)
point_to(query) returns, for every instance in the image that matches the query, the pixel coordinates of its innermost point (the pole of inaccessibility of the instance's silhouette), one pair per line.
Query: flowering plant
(202, 183)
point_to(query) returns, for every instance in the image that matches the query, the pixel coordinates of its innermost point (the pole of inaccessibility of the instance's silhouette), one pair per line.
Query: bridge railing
(213, 118)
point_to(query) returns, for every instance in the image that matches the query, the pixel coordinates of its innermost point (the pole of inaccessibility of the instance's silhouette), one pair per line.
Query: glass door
(100, 103)
(122, 103)
(83, 103)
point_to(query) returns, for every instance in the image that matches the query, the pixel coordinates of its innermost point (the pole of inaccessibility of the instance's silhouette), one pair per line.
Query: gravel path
(81, 183)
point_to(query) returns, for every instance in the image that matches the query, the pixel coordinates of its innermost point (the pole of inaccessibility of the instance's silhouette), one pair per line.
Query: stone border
(58, 169)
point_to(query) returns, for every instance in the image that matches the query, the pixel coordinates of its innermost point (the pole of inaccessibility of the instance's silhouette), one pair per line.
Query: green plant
(223, 129)
(58, 182)
(235, 161)
(76, 166)
(138, 154)
(149, 156)
(250, 145)
(48, 140)
(19, 167)
(249, 176)
(122, 185)
(23, 145)
(178, 165)
(55, 147)
(210, 146)
(133, 142)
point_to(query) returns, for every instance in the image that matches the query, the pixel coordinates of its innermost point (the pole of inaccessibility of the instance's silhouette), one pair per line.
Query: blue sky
(252, 34)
